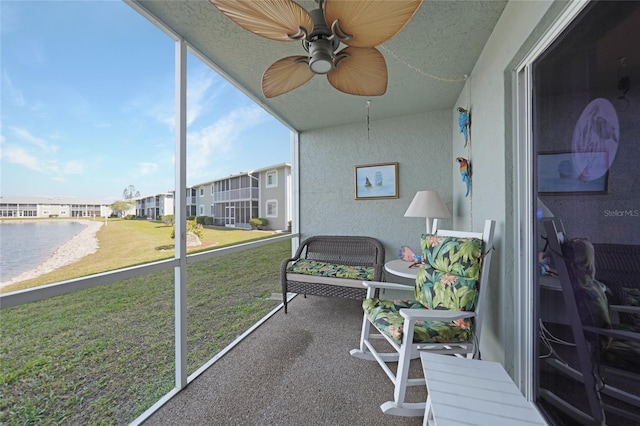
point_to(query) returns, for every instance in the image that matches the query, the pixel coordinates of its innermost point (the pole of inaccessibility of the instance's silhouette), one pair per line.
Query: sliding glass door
(586, 144)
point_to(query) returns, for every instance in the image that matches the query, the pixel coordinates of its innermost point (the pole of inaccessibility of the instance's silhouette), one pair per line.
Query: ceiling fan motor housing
(321, 44)
(321, 56)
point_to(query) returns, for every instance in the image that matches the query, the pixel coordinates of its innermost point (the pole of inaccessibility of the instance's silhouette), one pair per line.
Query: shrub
(168, 219)
(208, 220)
(129, 217)
(258, 222)
(192, 227)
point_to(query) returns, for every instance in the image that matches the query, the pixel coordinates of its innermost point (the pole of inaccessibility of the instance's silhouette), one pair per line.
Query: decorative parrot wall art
(465, 172)
(463, 123)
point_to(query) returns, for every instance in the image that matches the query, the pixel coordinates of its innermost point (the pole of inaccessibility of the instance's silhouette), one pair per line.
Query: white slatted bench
(473, 392)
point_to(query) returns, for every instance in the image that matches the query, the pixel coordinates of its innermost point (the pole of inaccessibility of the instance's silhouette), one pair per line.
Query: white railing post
(180, 219)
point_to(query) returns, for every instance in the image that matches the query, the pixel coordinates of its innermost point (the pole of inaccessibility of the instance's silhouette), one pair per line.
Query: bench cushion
(315, 279)
(324, 269)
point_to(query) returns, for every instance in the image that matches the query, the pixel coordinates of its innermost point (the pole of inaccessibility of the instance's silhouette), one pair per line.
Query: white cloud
(203, 87)
(214, 143)
(13, 93)
(146, 168)
(201, 93)
(26, 136)
(18, 155)
(37, 155)
(38, 107)
(55, 135)
(72, 167)
(54, 169)
(161, 112)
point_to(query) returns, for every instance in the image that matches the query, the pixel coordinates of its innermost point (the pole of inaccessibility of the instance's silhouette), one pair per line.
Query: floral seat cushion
(444, 290)
(447, 281)
(324, 269)
(385, 316)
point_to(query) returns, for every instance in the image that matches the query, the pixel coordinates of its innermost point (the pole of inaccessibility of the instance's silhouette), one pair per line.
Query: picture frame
(558, 174)
(376, 181)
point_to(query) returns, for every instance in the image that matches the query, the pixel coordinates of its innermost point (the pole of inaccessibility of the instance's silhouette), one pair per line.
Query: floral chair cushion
(385, 316)
(450, 274)
(443, 290)
(459, 256)
(324, 269)
(447, 281)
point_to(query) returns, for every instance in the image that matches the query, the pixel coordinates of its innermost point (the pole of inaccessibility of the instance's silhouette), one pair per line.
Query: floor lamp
(429, 205)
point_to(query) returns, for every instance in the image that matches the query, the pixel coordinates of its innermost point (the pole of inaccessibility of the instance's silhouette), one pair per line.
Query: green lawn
(132, 242)
(106, 354)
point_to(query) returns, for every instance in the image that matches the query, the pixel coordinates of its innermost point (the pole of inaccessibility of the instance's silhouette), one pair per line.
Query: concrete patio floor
(295, 369)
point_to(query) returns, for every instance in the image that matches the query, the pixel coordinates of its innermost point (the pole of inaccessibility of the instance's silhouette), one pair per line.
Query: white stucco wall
(426, 146)
(421, 144)
(487, 95)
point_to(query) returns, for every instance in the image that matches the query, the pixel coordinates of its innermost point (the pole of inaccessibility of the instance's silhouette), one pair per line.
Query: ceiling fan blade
(274, 19)
(285, 75)
(363, 72)
(370, 22)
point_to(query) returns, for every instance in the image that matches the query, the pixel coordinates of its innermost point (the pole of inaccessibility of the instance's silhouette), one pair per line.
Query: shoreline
(80, 245)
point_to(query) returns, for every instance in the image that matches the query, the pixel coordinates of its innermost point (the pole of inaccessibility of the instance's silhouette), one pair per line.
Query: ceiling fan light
(321, 63)
(321, 56)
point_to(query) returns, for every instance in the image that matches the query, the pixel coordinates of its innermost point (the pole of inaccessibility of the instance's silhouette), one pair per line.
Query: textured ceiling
(442, 42)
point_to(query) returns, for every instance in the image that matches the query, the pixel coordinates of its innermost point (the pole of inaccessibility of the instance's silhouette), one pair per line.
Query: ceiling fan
(358, 69)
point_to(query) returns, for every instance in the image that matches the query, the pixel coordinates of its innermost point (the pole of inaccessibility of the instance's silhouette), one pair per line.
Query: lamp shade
(427, 204)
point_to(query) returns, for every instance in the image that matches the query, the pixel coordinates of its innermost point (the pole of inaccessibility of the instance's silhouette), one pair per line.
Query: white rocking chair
(445, 318)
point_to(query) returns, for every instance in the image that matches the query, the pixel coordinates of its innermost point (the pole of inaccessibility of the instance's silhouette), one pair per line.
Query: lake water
(25, 245)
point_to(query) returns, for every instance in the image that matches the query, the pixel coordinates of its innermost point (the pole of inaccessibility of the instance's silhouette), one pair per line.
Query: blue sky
(87, 106)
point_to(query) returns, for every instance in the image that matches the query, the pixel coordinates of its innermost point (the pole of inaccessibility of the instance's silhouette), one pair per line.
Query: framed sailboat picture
(376, 181)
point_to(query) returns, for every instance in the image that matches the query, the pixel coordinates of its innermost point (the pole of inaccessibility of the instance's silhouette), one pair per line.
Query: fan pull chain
(368, 105)
(426, 74)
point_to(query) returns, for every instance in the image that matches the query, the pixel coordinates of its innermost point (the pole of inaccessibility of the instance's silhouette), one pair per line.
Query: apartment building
(40, 207)
(155, 206)
(233, 200)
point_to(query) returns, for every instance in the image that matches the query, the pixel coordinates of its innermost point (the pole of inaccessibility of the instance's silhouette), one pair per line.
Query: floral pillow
(443, 290)
(459, 256)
